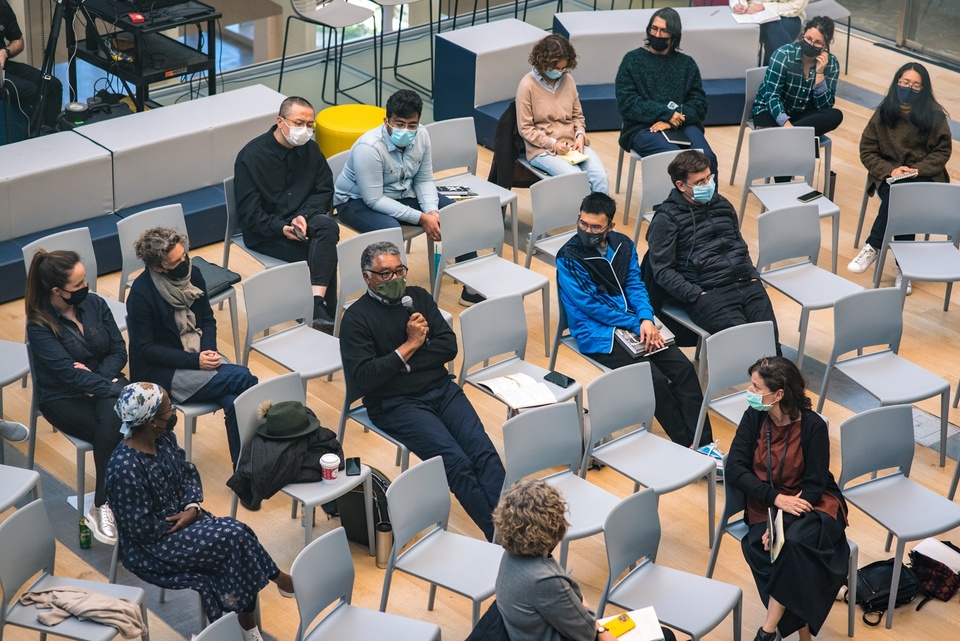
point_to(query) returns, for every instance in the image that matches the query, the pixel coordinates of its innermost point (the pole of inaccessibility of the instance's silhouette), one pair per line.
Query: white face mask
(298, 136)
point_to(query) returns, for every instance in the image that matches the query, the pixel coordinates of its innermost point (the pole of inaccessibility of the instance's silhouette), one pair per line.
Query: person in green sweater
(659, 89)
(908, 133)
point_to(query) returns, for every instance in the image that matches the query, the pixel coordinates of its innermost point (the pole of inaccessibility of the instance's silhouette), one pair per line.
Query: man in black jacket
(698, 256)
(396, 358)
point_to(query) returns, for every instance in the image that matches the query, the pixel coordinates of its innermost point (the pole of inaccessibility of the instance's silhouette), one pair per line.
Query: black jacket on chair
(508, 144)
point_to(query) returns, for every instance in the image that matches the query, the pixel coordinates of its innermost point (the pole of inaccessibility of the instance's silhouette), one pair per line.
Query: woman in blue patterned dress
(166, 538)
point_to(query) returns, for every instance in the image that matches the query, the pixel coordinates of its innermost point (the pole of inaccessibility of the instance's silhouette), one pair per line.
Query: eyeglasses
(309, 124)
(593, 229)
(814, 43)
(701, 183)
(389, 274)
(906, 84)
(408, 126)
(657, 31)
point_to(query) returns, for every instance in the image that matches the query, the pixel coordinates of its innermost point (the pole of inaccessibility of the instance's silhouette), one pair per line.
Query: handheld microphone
(407, 303)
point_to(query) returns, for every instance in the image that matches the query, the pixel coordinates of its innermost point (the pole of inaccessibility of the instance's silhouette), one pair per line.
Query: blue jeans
(596, 173)
(775, 34)
(442, 422)
(231, 380)
(647, 143)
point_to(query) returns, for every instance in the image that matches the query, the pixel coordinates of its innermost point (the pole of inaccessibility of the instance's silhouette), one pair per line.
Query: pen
(715, 12)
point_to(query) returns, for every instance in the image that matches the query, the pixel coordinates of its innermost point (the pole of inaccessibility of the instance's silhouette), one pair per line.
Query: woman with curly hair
(549, 116)
(780, 460)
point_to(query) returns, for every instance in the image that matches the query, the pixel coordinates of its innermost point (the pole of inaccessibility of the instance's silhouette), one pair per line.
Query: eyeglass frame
(591, 229)
(382, 277)
(404, 126)
(701, 183)
(658, 32)
(910, 85)
(815, 43)
(310, 124)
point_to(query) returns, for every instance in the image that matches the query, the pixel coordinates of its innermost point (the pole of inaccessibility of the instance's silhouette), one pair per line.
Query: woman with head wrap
(166, 538)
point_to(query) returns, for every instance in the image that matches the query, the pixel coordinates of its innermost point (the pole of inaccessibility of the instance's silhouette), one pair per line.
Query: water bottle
(86, 535)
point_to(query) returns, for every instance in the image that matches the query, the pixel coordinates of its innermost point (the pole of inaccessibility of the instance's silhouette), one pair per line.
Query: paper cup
(330, 464)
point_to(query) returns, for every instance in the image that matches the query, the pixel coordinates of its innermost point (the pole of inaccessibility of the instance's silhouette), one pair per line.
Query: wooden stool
(339, 127)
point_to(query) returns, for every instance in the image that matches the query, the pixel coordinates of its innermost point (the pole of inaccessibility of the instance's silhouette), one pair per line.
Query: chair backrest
(541, 438)
(878, 439)
(732, 351)
(130, 228)
(322, 573)
(277, 295)
(555, 201)
(621, 398)
(349, 252)
(754, 78)
(226, 628)
(655, 181)
(493, 327)
(924, 208)
(418, 499)
(77, 240)
(788, 233)
(780, 151)
(453, 144)
(471, 225)
(868, 318)
(337, 162)
(632, 532)
(246, 407)
(28, 547)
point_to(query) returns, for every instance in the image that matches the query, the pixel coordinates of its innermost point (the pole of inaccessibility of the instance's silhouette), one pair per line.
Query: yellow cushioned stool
(339, 127)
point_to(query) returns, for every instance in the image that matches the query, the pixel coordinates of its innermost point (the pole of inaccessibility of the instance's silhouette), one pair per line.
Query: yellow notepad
(574, 157)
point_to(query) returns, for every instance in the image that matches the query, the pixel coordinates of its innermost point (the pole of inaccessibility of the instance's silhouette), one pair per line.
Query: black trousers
(822, 120)
(26, 82)
(676, 388)
(880, 224)
(734, 304)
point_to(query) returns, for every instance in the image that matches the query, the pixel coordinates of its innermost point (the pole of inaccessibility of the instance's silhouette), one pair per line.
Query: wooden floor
(929, 340)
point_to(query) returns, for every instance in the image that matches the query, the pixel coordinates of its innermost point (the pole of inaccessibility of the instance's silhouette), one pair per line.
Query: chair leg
(387, 577)
(894, 582)
(946, 297)
(944, 422)
(863, 212)
(836, 241)
(564, 548)
(112, 575)
(711, 505)
(283, 60)
(616, 189)
(515, 228)
(433, 596)
(235, 325)
(736, 154)
(715, 551)
(546, 320)
(852, 587)
(804, 322)
(630, 176)
(81, 482)
(476, 604)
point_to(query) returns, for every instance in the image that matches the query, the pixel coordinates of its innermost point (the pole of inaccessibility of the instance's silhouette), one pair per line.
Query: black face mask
(77, 296)
(658, 43)
(809, 50)
(180, 271)
(172, 422)
(906, 95)
(591, 240)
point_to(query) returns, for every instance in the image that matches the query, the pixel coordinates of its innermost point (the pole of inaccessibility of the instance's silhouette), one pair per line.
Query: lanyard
(783, 458)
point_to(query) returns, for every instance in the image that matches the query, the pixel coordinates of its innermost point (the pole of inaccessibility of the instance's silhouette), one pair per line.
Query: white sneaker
(713, 450)
(863, 260)
(899, 276)
(253, 634)
(102, 524)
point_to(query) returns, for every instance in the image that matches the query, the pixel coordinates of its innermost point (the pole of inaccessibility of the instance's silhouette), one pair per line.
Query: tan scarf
(180, 295)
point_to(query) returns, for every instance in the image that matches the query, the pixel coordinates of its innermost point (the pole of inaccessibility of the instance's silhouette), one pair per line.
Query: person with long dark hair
(908, 133)
(78, 358)
(780, 460)
(800, 86)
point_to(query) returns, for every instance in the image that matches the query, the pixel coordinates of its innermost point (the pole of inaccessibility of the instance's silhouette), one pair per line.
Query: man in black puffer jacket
(698, 256)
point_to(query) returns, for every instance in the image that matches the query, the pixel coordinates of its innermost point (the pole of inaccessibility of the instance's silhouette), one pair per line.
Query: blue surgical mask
(703, 193)
(553, 74)
(756, 401)
(906, 95)
(402, 137)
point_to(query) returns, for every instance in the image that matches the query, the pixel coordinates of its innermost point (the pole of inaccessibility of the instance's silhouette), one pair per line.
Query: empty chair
(77, 240)
(547, 437)
(15, 483)
(754, 77)
(498, 327)
(233, 234)
(278, 296)
(317, 590)
(874, 318)
(786, 151)
(732, 523)
(454, 146)
(555, 204)
(688, 602)
(882, 439)
(310, 495)
(418, 502)
(29, 547)
(624, 398)
(923, 208)
(730, 353)
(473, 225)
(790, 234)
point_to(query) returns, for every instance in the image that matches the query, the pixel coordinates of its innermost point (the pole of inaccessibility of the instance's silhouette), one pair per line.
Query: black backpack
(350, 508)
(873, 588)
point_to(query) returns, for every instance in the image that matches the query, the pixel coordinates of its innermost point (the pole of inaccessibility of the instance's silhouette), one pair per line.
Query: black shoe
(321, 320)
(469, 297)
(765, 636)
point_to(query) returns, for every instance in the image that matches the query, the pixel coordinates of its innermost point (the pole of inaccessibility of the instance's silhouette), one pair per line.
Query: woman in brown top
(780, 459)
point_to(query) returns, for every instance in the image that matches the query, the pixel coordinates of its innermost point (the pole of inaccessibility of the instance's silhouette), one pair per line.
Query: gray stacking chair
(129, 230)
(687, 602)
(498, 327)
(563, 337)
(234, 235)
(634, 159)
(475, 225)
(873, 318)
(863, 211)
(923, 208)
(15, 483)
(29, 547)
(732, 523)
(278, 296)
(624, 398)
(655, 186)
(14, 366)
(730, 353)
(454, 146)
(787, 151)
(878, 440)
(419, 501)
(77, 240)
(548, 437)
(793, 234)
(555, 204)
(754, 77)
(678, 313)
(323, 575)
(311, 495)
(358, 413)
(350, 281)
(226, 628)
